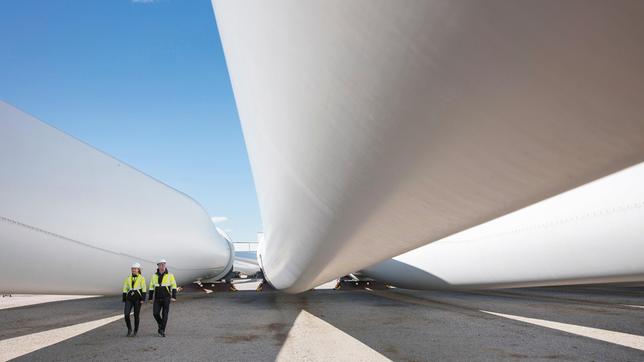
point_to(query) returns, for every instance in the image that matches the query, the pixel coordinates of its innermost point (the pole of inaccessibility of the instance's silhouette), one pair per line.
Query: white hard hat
(136, 265)
(161, 261)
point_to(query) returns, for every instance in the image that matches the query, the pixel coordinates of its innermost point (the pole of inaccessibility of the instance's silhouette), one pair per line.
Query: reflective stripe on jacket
(168, 286)
(167, 281)
(139, 284)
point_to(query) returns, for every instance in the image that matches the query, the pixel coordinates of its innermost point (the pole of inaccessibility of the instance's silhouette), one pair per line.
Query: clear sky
(144, 81)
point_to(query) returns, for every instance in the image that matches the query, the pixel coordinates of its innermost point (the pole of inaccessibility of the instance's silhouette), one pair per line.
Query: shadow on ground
(399, 324)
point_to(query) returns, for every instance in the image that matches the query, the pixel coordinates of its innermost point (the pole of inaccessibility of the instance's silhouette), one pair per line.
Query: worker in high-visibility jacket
(133, 296)
(163, 290)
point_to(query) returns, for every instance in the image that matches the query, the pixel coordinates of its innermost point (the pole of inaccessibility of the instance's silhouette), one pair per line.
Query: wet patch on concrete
(238, 338)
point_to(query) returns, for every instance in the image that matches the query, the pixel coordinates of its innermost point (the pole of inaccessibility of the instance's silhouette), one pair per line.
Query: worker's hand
(173, 299)
(142, 302)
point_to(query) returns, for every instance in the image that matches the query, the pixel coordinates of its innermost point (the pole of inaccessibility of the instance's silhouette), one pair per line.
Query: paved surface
(398, 324)
(21, 300)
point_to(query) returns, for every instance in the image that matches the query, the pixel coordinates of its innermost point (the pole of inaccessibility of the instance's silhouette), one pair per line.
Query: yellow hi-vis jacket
(168, 282)
(139, 286)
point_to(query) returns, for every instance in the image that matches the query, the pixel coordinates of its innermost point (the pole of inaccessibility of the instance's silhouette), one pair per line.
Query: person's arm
(143, 288)
(124, 289)
(174, 286)
(152, 285)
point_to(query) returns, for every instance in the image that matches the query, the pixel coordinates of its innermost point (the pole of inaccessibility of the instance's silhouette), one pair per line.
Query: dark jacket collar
(161, 275)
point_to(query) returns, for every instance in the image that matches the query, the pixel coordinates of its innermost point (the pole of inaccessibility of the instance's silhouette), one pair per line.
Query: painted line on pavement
(18, 346)
(23, 300)
(623, 339)
(313, 339)
(634, 306)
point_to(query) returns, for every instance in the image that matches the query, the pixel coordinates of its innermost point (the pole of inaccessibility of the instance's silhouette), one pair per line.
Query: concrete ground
(21, 300)
(396, 324)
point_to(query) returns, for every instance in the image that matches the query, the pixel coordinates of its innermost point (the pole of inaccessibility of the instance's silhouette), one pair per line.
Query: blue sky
(144, 81)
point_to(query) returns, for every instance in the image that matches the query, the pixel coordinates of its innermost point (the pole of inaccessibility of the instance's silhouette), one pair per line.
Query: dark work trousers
(129, 304)
(160, 311)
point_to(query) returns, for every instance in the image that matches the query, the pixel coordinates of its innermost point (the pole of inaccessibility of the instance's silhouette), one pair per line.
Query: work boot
(129, 332)
(134, 333)
(162, 333)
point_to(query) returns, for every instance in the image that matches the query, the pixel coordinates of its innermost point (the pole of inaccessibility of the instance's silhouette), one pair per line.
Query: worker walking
(133, 296)
(163, 290)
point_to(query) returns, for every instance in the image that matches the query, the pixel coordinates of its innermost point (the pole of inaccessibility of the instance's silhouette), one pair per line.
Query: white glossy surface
(246, 262)
(593, 234)
(375, 127)
(73, 220)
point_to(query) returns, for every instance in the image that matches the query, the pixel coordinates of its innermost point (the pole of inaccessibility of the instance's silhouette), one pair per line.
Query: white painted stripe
(18, 346)
(312, 339)
(22, 300)
(634, 306)
(623, 339)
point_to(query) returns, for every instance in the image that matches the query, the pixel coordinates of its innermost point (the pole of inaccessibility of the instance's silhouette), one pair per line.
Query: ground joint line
(620, 338)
